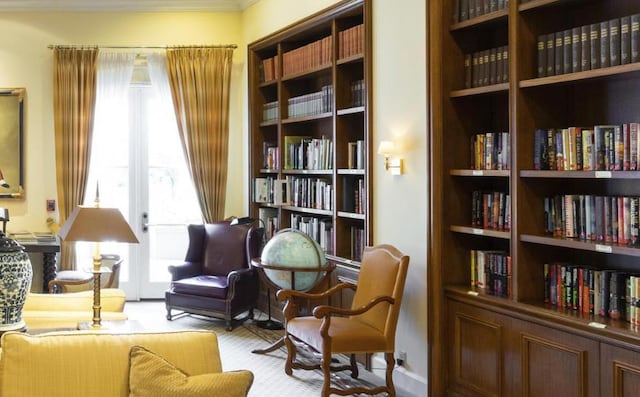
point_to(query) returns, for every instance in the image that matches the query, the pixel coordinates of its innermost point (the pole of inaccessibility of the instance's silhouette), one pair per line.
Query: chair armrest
(285, 294)
(238, 274)
(185, 270)
(325, 310)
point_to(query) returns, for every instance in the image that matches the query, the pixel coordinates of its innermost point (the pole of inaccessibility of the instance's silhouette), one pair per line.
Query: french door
(143, 172)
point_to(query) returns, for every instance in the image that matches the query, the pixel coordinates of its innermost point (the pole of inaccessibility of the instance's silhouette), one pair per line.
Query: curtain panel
(200, 80)
(74, 97)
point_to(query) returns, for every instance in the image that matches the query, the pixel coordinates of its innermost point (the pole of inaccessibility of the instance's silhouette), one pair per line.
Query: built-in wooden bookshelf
(309, 130)
(524, 343)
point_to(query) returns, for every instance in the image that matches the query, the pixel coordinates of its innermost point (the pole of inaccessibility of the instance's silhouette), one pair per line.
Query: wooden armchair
(368, 327)
(80, 280)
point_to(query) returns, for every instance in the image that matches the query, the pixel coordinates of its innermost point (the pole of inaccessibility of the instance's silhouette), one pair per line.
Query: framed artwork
(11, 142)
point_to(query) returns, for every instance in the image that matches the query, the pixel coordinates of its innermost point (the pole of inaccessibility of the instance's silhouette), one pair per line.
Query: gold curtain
(74, 96)
(200, 79)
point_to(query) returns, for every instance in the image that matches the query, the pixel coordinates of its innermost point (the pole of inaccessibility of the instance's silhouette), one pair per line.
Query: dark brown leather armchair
(216, 278)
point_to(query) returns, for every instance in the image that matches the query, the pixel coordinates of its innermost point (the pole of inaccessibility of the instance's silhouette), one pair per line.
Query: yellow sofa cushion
(152, 376)
(88, 363)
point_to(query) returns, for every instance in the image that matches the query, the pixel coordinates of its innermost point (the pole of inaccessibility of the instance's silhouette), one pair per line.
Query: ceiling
(124, 5)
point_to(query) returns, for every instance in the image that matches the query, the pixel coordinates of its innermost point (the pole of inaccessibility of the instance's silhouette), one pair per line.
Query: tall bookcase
(309, 130)
(511, 336)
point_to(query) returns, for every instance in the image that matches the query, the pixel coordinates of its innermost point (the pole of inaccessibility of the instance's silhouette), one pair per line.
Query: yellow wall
(399, 112)
(25, 61)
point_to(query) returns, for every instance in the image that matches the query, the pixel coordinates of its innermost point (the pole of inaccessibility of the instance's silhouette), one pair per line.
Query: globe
(294, 249)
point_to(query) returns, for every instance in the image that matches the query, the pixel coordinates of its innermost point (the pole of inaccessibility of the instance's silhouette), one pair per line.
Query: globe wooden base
(270, 325)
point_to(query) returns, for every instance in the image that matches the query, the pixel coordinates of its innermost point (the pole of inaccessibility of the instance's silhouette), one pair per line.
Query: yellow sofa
(65, 311)
(99, 364)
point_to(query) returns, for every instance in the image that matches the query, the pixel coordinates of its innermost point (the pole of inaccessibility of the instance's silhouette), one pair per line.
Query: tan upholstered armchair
(368, 327)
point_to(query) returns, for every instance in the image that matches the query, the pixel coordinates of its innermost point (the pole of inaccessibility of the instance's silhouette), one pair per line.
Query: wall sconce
(392, 164)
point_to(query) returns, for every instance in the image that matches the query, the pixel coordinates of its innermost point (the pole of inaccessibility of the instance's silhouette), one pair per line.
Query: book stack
(305, 153)
(490, 210)
(269, 69)
(490, 151)
(271, 156)
(357, 242)
(606, 293)
(319, 229)
(467, 9)
(357, 93)
(486, 67)
(491, 272)
(601, 219)
(597, 148)
(270, 221)
(270, 111)
(598, 45)
(313, 55)
(351, 42)
(355, 155)
(310, 104)
(307, 192)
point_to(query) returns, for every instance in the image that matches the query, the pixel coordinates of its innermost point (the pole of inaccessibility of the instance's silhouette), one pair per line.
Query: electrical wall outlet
(402, 357)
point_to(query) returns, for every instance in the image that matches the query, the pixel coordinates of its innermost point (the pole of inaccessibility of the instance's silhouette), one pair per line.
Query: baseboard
(408, 384)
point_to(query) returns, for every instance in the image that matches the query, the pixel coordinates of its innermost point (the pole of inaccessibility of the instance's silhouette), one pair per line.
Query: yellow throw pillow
(152, 376)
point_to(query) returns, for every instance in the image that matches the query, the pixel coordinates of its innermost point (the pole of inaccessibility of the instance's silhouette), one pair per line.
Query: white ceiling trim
(126, 5)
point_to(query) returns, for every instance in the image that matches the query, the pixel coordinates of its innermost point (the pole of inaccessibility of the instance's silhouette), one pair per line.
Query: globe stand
(269, 324)
(257, 262)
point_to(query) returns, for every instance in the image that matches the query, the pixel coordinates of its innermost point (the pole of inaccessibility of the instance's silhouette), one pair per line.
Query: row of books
(357, 93)
(490, 151)
(307, 57)
(269, 69)
(597, 45)
(584, 289)
(270, 111)
(270, 221)
(486, 67)
(356, 243)
(355, 192)
(490, 210)
(467, 9)
(491, 272)
(306, 153)
(597, 148)
(271, 156)
(307, 192)
(606, 219)
(319, 229)
(310, 104)
(269, 190)
(351, 41)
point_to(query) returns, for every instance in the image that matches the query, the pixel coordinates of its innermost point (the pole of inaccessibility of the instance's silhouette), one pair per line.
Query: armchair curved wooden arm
(369, 326)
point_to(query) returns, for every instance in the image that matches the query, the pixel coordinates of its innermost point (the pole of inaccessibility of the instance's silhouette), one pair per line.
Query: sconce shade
(386, 148)
(97, 224)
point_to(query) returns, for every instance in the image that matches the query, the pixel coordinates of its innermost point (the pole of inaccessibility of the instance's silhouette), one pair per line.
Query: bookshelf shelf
(581, 245)
(619, 72)
(490, 89)
(480, 173)
(545, 105)
(304, 119)
(499, 16)
(480, 232)
(320, 79)
(580, 174)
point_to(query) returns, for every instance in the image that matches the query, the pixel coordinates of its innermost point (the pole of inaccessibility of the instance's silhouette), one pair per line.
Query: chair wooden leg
(354, 366)
(169, 314)
(291, 355)
(325, 364)
(389, 374)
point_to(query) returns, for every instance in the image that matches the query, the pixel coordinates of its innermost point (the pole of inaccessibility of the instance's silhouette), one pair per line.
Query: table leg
(48, 269)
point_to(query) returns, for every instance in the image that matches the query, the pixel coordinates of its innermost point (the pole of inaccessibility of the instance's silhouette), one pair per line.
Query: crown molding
(126, 5)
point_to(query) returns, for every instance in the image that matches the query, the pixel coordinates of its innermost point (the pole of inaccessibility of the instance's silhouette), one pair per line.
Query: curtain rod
(233, 46)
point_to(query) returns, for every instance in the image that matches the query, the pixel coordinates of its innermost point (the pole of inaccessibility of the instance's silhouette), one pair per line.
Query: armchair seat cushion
(210, 286)
(347, 335)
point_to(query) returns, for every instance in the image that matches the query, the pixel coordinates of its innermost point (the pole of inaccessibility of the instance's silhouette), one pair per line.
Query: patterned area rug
(236, 351)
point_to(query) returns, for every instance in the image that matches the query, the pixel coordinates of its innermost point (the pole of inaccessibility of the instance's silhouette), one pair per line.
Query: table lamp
(97, 224)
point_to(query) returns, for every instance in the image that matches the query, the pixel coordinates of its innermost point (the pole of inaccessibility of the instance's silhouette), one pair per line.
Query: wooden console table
(48, 250)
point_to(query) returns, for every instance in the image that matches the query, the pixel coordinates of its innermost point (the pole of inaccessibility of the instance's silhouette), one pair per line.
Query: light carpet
(236, 347)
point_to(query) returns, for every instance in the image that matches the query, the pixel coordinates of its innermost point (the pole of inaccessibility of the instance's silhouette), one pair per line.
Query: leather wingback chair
(368, 327)
(216, 278)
